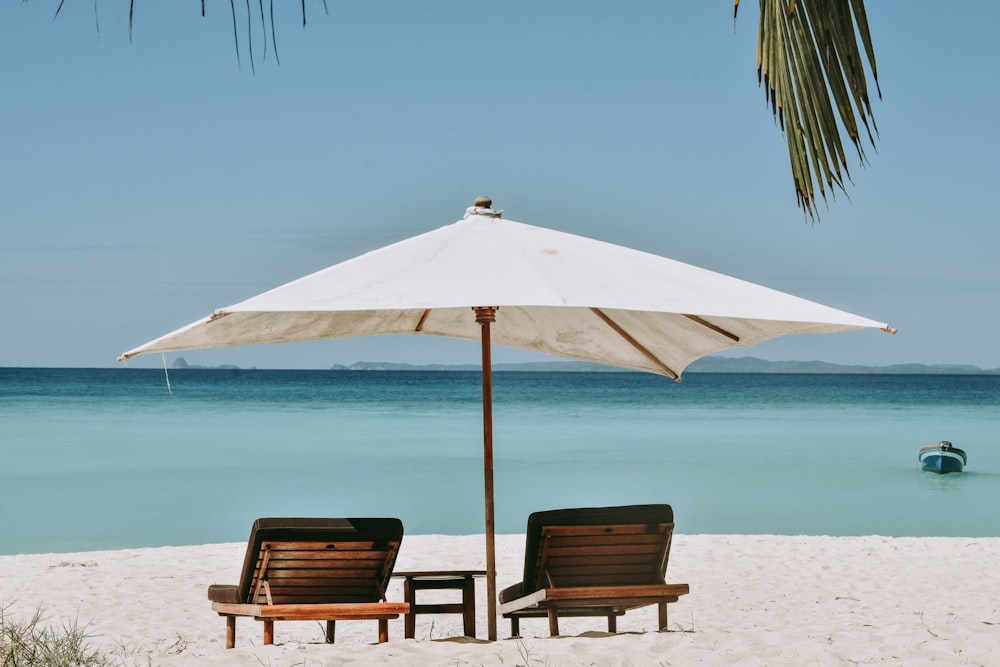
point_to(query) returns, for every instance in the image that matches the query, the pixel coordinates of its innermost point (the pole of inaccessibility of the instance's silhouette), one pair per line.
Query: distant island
(181, 363)
(703, 365)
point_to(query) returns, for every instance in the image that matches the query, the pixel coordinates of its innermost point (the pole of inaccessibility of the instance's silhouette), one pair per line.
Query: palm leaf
(813, 72)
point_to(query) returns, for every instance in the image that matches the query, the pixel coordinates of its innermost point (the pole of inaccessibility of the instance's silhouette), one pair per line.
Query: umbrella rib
(423, 318)
(716, 329)
(634, 343)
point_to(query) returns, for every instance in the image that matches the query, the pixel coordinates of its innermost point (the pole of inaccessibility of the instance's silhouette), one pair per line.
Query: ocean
(113, 458)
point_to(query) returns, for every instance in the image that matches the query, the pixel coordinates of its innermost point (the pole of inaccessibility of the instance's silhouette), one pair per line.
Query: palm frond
(811, 67)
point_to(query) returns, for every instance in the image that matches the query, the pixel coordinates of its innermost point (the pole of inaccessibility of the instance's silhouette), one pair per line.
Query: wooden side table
(440, 580)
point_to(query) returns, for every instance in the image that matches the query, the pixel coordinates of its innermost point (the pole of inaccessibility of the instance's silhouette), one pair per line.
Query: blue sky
(143, 185)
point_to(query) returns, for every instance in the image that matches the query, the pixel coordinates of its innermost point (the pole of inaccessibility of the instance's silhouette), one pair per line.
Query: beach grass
(38, 640)
(35, 641)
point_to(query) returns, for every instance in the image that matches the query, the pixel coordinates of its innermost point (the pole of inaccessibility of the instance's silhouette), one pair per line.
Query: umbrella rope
(166, 373)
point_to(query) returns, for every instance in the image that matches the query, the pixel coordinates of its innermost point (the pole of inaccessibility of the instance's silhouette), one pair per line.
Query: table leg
(410, 619)
(469, 606)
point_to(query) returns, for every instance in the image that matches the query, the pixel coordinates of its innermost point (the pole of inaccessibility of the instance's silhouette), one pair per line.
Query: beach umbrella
(489, 279)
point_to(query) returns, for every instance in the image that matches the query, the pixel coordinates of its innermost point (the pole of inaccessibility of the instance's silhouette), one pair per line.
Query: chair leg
(663, 615)
(383, 630)
(515, 626)
(230, 631)
(268, 632)
(612, 623)
(331, 629)
(553, 623)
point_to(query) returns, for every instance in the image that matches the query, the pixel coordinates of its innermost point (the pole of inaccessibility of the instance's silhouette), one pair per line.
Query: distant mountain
(181, 362)
(703, 365)
(535, 366)
(754, 365)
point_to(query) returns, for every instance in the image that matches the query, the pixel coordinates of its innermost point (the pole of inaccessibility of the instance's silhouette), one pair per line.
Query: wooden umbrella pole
(484, 316)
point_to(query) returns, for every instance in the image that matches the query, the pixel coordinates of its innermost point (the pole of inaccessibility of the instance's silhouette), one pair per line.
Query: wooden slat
(443, 574)
(373, 556)
(607, 565)
(631, 545)
(596, 601)
(339, 612)
(351, 584)
(605, 549)
(340, 595)
(286, 577)
(617, 605)
(276, 574)
(619, 529)
(317, 594)
(639, 536)
(364, 545)
(331, 553)
(632, 560)
(328, 560)
(338, 565)
(234, 609)
(334, 589)
(332, 566)
(328, 611)
(542, 612)
(616, 592)
(309, 599)
(343, 575)
(570, 578)
(571, 581)
(606, 569)
(440, 608)
(291, 595)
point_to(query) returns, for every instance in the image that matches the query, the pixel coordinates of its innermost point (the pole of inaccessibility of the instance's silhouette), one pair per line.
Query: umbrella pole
(484, 316)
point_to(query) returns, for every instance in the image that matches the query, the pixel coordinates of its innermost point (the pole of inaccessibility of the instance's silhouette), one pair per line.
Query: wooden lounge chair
(314, 570)
(600, 561)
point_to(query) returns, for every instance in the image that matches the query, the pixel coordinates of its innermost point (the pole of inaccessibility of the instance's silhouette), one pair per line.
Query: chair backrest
(319, 560)
(598, 546)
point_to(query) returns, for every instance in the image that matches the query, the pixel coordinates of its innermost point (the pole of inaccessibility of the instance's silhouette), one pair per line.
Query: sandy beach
(755, 600)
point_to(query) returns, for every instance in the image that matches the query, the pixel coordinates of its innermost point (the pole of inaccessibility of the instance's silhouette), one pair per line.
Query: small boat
(942, 457)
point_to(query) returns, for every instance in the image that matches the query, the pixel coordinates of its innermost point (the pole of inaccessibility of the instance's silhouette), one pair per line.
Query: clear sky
(143, 185)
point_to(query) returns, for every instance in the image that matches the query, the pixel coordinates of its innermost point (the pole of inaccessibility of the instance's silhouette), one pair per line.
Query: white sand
(755, 600)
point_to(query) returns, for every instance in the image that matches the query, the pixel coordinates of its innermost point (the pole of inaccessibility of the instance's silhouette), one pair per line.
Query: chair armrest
(530, 600)
(224, 593)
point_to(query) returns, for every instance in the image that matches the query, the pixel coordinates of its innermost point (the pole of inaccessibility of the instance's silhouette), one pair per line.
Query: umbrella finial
(483, 205)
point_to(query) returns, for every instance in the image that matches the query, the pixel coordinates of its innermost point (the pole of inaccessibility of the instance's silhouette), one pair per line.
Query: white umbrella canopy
(499, 281)
(556, 293)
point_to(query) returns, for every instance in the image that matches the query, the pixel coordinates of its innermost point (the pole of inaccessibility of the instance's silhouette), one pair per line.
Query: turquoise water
(108, 458)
